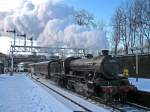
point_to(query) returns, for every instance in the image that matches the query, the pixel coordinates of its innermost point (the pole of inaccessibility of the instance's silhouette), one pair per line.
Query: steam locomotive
(92, 76)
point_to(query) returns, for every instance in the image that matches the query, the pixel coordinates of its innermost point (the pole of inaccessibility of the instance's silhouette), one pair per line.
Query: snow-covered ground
(20, 94)
(141, 84)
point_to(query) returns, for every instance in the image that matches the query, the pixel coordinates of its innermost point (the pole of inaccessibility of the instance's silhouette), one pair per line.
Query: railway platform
(18, 93)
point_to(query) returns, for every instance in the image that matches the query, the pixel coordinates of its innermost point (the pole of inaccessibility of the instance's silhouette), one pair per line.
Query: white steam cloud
(51, 23)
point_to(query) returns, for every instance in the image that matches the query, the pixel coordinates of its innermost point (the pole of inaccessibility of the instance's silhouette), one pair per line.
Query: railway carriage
(41, 68)
(1, 67)
(47, 68)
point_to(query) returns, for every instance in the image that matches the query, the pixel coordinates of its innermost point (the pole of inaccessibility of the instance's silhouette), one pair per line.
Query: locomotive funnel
(105, 52)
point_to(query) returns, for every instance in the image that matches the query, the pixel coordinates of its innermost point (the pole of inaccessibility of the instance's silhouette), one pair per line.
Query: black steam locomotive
(100, 76)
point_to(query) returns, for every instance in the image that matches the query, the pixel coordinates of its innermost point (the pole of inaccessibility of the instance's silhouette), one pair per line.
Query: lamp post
(137, 67)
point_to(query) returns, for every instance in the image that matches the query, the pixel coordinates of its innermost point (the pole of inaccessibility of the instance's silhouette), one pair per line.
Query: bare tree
(138, 8)
(84, 18)
(120, 27)
(146, 21)
(134, 25)
(124, 33)
(117, 19)
(131, 28)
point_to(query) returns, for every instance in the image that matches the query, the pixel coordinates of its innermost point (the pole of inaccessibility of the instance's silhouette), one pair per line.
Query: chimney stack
(105, 52)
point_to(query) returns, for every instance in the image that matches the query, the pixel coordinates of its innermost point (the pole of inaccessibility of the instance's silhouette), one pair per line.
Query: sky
(102, 10)
(4, 44)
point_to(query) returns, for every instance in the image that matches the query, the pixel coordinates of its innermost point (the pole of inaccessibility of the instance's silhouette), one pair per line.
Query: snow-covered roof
(43, 62)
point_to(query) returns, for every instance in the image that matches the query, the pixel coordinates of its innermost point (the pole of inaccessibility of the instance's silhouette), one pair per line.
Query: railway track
(117, 106)
(124, 107)
(131, 107)
(140, 98)
(76, 103)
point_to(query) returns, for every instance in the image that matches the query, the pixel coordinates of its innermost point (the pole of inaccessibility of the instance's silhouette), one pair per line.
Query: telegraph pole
(137, 67)
(12, 54)
(31, 40)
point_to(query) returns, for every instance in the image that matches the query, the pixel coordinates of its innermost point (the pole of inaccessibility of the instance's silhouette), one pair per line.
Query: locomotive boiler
(104, 65)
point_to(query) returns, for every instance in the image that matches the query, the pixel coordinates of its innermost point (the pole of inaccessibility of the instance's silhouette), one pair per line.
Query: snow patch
(141, 84)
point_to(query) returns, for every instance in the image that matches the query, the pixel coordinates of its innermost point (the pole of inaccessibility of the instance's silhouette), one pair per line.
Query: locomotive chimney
(105, 52)
(89, 56)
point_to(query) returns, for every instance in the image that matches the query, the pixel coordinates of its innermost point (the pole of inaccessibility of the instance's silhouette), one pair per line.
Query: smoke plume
(52, 23)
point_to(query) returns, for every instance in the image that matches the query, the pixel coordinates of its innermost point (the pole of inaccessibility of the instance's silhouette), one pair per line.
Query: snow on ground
(141, 84)
(91, 106)
(20, 94)
(63, 100)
